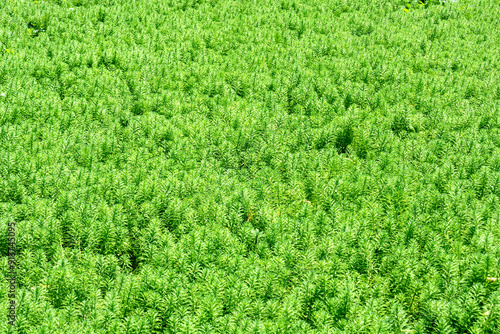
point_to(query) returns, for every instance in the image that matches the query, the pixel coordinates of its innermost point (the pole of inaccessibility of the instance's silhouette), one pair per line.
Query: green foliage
(344, 137)
(247, 166)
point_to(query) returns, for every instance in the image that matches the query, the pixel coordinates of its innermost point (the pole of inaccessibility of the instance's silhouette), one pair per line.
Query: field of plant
(244, 166)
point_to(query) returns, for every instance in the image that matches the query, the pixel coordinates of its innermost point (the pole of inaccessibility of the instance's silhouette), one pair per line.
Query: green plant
(241, 166)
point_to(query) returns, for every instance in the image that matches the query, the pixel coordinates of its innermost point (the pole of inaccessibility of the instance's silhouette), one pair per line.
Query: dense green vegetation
(274, 166)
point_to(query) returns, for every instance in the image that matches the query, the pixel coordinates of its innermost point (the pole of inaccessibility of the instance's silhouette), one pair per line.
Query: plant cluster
(240, 166)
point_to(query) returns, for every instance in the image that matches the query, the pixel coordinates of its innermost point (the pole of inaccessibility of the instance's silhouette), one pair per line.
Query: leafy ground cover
(217, 166)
